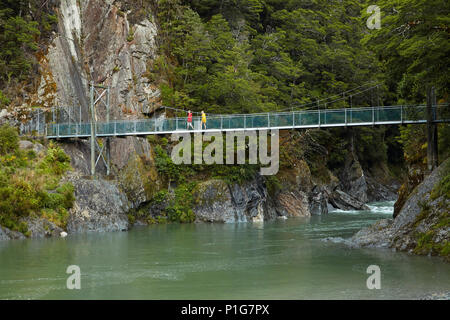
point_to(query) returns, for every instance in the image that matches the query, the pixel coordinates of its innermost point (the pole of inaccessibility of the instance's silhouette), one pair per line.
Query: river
(283, 259)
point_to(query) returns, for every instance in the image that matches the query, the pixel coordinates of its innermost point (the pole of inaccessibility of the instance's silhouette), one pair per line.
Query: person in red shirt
(189, 120)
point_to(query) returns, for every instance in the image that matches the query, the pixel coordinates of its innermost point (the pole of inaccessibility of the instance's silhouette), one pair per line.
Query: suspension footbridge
(72, 127)
(329, 118)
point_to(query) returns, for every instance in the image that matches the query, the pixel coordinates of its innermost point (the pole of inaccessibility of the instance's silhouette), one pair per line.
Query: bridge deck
(262, 121)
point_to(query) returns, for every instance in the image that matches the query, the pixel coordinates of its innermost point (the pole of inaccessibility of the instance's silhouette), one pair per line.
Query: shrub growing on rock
(9, 139)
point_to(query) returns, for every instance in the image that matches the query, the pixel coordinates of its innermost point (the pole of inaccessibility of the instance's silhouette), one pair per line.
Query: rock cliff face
(108, 43)
(422, 226)
(97, 42)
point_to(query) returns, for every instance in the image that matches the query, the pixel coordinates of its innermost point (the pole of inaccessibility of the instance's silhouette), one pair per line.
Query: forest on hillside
(243, 56)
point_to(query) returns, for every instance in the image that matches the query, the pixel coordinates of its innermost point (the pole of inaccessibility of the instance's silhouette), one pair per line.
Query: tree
(413, 43)
(17, 36)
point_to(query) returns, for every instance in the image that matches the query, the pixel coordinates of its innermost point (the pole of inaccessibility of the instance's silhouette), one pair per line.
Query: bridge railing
(306, 118)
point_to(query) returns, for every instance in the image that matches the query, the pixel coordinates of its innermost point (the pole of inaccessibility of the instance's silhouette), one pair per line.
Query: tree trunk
(432, 134)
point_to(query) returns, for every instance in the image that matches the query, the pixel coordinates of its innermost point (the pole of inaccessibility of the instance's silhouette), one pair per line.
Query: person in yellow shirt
(203, 119)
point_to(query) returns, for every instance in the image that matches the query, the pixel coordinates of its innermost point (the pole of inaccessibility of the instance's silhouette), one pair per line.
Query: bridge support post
(92, 106)
(108, 140)
(432, 133)
(95, 98)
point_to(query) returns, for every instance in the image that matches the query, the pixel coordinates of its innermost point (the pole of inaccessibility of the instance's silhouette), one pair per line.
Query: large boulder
(99, 207)
(25, 145)
(341, 200)
(28, 145)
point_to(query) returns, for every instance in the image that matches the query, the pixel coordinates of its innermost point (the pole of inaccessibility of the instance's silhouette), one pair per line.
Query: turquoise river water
(283, 259)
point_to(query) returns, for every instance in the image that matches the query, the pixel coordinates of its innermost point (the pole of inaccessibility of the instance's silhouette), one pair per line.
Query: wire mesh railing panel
(51, 130)
(226, 123)
(64, 130)
(281, 120)
(360, 116)
(443, 113)
(121, 127)
(414, 113)
(214, 123)
(333, 117)
(182, 124)
(85, 129)
(109, 128)
(236, 122)
(145, 126)
(307, 118)
(259, 121)
(388, 114)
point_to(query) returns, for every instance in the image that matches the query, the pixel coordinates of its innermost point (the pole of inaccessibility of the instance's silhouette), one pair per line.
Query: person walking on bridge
(189, 120)
(203, 119)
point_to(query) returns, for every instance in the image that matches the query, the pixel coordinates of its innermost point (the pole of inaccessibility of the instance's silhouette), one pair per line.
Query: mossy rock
(139, 180)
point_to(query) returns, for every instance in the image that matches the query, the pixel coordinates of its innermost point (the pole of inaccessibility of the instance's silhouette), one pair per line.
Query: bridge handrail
(236, 115)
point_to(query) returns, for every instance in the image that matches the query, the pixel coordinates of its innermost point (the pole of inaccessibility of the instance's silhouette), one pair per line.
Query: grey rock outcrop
(25, 145)
(213, 202)
(42, 228)
(377, 235)
(419, 216)
(216, 201)
(6, 234)
(99, 207)
(253, 201)
(28, 145)
(97, 40)
(353, 179)
(412, 207)
(380, 192)
(318, 201)
(79, 153)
